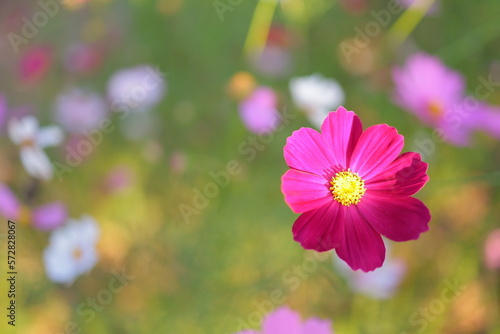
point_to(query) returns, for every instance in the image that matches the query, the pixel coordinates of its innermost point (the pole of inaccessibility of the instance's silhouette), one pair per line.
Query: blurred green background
(204, 275)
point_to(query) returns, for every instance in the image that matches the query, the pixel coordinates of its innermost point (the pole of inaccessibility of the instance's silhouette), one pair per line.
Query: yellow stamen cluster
(347, 187)
(435, 109)
(28, 143)
(77, 253)
(24, 215)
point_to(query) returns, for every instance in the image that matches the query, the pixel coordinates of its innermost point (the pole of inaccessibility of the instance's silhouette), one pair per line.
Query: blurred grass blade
(260, 25)
(405, 25)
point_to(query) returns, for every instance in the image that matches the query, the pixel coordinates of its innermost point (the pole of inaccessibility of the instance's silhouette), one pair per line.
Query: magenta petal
(363, 247)
(282, 321)
(49, 216)
(9, 206)
(306, 150)
(403, 177)
(341, 130)
(399, 219)
(317, 326)
(321, 229)
(304, 191)
(377, 147)
(248, 332)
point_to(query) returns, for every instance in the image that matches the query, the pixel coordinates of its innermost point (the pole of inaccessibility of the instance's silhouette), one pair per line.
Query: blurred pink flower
(355, 6)
(35, 63)
(490, 121)
(381, 283)
(3, 111)
(83, 58)
(118, 179)
(275, 59)
(285, 321)
(436, 95)
(258, 112)
(31, 139)
(45, 217)
(492, 250)
(136, 89)
(352, 187)
(178, 162)
(78, 111)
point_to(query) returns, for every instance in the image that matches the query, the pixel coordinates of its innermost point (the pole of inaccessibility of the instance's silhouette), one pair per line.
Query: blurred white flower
(136, 89)
(317, 96)
(381, 283)
(31, 139)
(72, 250)
(78, 111)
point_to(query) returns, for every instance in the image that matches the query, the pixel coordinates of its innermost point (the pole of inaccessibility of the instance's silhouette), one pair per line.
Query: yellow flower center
(77, 253)
(347, 187)
(24, 215)
(435, 109)
(28, 143)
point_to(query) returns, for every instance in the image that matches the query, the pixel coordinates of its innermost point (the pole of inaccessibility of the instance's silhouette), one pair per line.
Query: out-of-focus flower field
(141, 164)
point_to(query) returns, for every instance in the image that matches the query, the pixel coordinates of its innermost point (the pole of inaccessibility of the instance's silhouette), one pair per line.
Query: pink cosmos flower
(284, 320)
(35, 64)
(3, 111)
(352, 187)
(436, 95)
(83, 58)
(46, 217)
(492, 250)
(79, 111)
(258, 112)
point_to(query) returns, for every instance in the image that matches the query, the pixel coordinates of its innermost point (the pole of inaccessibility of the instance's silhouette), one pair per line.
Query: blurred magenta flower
(119, 179)
(381, 283)
(35, 63)
(492, 250)
(72, 250)
(46, 217)
(136, 89)
(258, 112)
(285, 321)
(316, 95)
(31, 139)
(436, 95)
(83, 58)
(3, 111)
(353, 186)
(78, 111)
